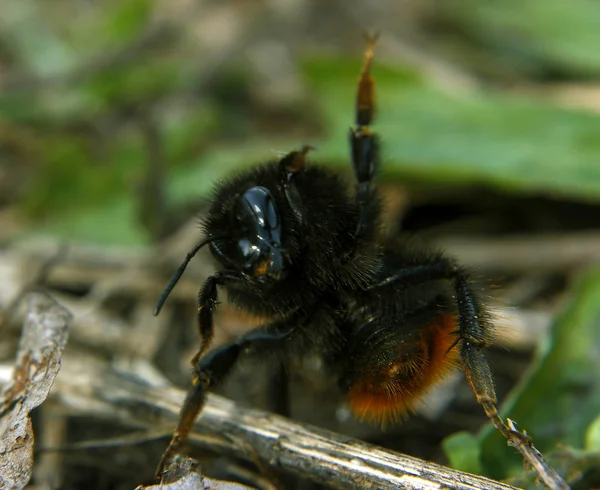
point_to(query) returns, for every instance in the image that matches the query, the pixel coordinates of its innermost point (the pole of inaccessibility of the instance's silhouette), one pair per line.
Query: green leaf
(463, 452)
(552, 32)
(113, 222)
(511, 143)
(592, 436)
(559, 398)
(123, 19)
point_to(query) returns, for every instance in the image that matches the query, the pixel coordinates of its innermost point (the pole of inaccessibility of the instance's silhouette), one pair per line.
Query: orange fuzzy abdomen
(391, 393)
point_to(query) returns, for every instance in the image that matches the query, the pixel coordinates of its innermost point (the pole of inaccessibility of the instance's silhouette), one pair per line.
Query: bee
(389, 320)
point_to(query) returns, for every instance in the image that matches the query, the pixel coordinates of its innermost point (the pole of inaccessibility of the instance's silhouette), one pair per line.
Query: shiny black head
(244, 230)
(253, 245)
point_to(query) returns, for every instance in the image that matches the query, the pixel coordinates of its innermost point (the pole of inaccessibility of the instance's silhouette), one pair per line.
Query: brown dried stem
(89, 387)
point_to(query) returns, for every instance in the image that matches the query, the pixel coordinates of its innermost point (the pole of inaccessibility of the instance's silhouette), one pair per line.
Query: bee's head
(244, 233)
(253, 242)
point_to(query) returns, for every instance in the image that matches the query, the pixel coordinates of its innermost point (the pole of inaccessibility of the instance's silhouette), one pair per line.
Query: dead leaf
(184, 476)
(38, 361)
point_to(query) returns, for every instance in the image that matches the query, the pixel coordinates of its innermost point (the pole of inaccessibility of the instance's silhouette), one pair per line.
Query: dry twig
(540, 252)
(190, 479)
(42, 342)
(89, 387)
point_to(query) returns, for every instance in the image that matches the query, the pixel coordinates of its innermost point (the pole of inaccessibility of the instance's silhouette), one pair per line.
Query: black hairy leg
(206, 304)
(473, 334)
(278, 395)
(212, 369)
(454, 319)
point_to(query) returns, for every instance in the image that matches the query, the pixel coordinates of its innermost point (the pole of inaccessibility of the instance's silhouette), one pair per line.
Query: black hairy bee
(293, 245)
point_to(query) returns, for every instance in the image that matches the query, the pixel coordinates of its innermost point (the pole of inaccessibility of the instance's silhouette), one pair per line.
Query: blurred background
(117, 117)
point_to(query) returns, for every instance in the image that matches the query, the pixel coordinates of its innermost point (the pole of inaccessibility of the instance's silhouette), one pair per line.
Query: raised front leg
(365, 145)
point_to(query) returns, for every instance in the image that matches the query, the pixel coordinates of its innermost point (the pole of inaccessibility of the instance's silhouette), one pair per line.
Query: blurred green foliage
(501, 141)
(83, 114)
(535, 35)
(509, 142)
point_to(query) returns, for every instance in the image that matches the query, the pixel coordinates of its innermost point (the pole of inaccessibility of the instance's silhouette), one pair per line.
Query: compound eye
(249, 251)
(256, 205)
(256, 248)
